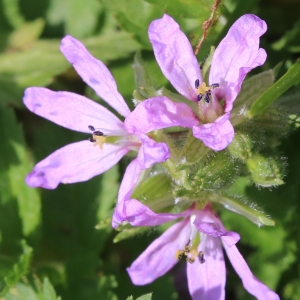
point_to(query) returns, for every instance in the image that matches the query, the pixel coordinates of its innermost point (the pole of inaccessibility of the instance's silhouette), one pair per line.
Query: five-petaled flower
(110, 140)
(198, 237)
(236, 55)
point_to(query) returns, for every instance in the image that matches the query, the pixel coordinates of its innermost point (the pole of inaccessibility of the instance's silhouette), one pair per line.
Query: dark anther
(91, 128)
(207, 99)
(197, 83)
(199, 97)
(215, 85)
(91, 140)
(98, 133)
(201, 257)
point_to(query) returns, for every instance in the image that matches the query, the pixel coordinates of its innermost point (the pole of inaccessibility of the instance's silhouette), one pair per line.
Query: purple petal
(212, 229)
(175, 56)
(157, 113)
(217, 135)
(208, 223)
(207, 280)
(236, 55)
(159, 257)
(129, 181)
(151, 152)
(72, 111)
(94, 73)
(138, 214)
(74, 163)
(250, 282)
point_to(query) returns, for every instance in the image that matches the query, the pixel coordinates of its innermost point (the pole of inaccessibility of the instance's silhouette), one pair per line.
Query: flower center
(204, 91)
(98, 137)
(211, 108)
(132, 142)
(190, 254)
(190, 249)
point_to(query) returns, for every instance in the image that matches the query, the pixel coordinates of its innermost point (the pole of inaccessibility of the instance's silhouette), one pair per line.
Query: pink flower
(198, 237)
(110, 139)
(236, 55)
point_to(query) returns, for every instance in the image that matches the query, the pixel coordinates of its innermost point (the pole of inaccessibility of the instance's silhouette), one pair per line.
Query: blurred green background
(50, 246)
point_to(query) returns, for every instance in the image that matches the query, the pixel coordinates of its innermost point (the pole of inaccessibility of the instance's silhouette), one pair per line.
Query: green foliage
(291, 77)
(13, 271)
(18, 201)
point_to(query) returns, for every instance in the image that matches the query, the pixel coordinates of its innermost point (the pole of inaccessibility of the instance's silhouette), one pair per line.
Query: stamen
(201, 257)
(204, 90)
(179, 254)
(98, 137)
(98, 133)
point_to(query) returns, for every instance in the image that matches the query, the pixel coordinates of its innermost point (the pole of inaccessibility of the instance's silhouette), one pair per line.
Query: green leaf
(12, 12)
(130, 298)
(185, 8)
(48, 291)
(143, 83)
(38, 65)
(26, 34)
(135, 16)
(17, 271)
(33, 290)
(252, 89)
(13, 171)
(80, 18)
(291, 77)
(108, 193)
(145, 297)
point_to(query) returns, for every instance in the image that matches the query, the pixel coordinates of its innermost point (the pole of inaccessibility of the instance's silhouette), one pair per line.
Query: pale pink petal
(175, 56)
(217, 135)
(74, 163)
(94, 73)
(130, 179)
(151, 152)
(72, 111)
(159, 257)
(157, 113)
(207, 280)
(138, 214)
(236, 55)
(250, 282)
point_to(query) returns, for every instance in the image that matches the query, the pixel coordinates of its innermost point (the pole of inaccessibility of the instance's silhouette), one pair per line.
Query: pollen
(98, 137)
(99, 140)
(204, 90)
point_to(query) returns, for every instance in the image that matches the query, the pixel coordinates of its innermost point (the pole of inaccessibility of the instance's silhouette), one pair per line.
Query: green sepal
(129, 233)
(241, 147)
(155, 191)
(265, 171)
(193, 149)
(213, 172)
(245, 208)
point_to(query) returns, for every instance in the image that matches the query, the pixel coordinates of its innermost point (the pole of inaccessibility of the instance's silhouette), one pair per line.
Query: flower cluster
(199, 235)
